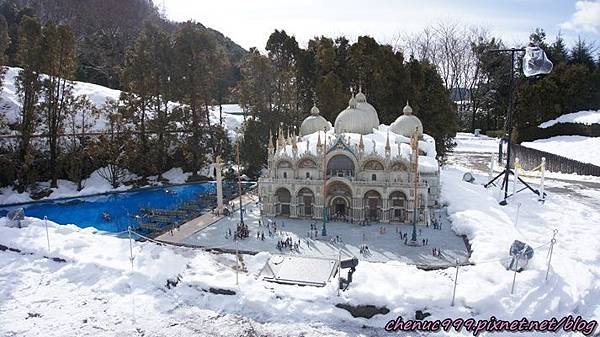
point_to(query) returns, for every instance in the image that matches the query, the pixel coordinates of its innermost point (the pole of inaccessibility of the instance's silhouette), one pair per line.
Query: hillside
(104, 29)
(10, 104)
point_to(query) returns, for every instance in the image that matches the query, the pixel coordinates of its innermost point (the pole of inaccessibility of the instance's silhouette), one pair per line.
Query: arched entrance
(340, 208)
(306, 199)
(372, 204)
(282, 204)
(397, 202)
(338, 200)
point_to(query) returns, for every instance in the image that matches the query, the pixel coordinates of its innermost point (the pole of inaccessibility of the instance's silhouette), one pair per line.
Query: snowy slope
(581, 148)
(587, 117)
(10, 103)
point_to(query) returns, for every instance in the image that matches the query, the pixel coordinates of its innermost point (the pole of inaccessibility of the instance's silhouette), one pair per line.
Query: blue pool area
(114, 212)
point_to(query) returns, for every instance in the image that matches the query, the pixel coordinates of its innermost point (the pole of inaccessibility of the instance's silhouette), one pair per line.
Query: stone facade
(347, 181)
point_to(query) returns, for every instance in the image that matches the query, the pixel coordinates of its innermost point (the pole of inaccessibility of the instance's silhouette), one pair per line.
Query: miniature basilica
(356, 170)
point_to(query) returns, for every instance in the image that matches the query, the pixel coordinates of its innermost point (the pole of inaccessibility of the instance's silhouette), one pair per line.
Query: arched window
(284, 175)
(340, 166)
(307, 175)
(374, 177)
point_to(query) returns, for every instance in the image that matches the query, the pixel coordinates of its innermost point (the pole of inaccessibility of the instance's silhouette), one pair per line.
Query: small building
(356, 170)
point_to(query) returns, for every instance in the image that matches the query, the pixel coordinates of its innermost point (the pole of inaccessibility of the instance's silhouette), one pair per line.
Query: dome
(362, 104)
(406, 124)
(354, 120)
(314, 123)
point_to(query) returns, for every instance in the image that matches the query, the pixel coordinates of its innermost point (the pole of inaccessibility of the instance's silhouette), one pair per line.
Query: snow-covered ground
(587, 117)
(383, 247)
(468, 142)
(580, 148)
(96, 292)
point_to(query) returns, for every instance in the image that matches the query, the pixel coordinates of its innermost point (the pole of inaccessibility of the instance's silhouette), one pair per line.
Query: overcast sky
(250, 22)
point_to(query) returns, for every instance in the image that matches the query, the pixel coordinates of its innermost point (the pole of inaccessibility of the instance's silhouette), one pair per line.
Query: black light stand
(507, 170)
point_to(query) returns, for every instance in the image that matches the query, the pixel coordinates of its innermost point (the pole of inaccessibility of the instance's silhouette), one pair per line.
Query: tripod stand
(507, 170)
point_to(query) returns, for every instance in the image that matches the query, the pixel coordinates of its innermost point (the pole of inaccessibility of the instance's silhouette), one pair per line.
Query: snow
(97, 293)
(468, 142)
(586, 117)
(580, 148)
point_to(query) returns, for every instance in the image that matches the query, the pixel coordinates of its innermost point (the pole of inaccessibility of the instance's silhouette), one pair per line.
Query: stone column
(218, 166)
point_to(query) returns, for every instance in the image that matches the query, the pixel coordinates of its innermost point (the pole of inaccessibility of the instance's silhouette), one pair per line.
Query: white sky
(250, 22)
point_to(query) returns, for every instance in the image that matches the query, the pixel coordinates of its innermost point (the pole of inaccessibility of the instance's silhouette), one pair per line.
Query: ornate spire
(387, 145)
(361, 145)
(270, 140)
(319, 139)
(407, 109)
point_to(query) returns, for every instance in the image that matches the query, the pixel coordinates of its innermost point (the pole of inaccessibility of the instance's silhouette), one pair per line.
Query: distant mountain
(104, 29)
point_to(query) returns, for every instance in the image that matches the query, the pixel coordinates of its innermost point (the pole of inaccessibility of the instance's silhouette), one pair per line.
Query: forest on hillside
(171, 73)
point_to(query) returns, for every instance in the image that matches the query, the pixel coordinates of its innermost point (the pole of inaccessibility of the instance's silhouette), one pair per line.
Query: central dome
(362, 104)
(355, 120)
(314, 123)
(406, 124)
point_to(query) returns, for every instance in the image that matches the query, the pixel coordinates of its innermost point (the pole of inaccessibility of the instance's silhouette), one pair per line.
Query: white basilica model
(358, 169)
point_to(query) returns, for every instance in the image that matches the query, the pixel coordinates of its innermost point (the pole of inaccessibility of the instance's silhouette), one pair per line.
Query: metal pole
(552, 242)
(339, 270)
(47, 235)
(517, 217)
(239, 181)
(491, 167)
(512, 289)
(543, 168)
(515, 176)
(455, 282)
(130, 247)
(237, 261)
(509, 125)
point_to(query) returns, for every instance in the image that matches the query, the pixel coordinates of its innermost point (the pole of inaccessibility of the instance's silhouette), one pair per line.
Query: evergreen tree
(557, 52)
(58, 64)
(81, 117)
(581, 54)
(4, 43)
(196, 58)
(29, 86)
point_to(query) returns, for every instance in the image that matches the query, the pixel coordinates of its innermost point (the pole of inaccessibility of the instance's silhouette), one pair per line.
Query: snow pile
(580, 148)
(587, 117)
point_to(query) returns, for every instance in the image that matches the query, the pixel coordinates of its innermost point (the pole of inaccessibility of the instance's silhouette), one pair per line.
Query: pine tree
(581, 54)
(29, 86)
(4, 43)
(58, 45)
(196, 59)
(81, 115)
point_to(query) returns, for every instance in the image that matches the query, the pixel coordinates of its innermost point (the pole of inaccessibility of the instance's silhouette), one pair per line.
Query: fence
(531, 158)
